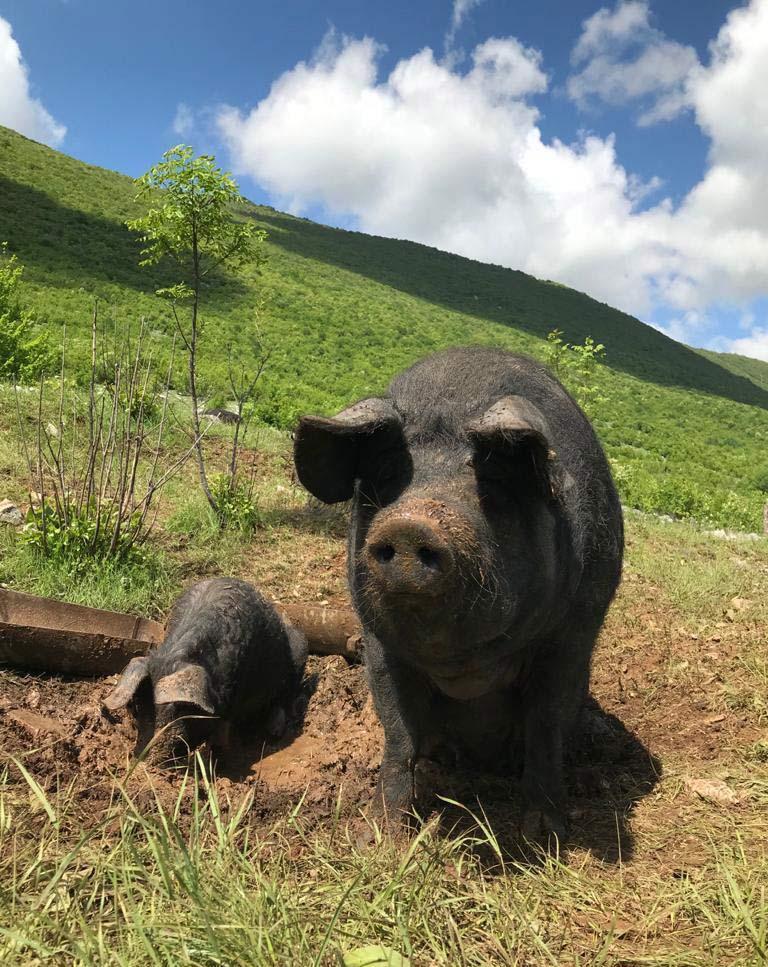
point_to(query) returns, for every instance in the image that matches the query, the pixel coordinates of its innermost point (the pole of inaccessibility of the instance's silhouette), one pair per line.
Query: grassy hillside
(342, 312)
(754, 369)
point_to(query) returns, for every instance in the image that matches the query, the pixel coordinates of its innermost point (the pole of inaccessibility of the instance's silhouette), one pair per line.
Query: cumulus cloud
(183, 121)
(18, 109)
(754, 345)
(621, 57)
(456, 159)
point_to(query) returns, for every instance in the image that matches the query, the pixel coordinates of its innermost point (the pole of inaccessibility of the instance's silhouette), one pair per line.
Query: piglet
(228, 658)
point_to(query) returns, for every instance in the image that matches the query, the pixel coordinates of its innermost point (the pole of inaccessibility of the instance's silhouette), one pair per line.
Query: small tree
(190, 221)
(25, 351)
(577, 367)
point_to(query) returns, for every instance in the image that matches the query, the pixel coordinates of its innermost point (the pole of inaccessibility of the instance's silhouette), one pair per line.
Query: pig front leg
(543, 792)
(402, 700)
(558, 687)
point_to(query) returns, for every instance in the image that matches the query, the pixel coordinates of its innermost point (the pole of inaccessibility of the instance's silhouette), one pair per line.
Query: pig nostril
(429, 558)
(384, 553)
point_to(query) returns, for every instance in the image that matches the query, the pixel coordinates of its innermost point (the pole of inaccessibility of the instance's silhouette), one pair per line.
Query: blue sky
(609, 147)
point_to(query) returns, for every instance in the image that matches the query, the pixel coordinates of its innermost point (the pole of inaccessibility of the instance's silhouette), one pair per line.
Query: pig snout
(414, 548)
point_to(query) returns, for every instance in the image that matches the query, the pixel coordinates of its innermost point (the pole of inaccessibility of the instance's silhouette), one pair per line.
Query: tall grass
(193, 881)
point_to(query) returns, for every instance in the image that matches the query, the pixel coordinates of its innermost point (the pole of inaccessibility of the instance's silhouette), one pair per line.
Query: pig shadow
(237, 761)
(608, 771)
(313, 518)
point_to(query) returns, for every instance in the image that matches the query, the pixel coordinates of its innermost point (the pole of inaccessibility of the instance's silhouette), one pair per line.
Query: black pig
(485, 546)
(227, 658)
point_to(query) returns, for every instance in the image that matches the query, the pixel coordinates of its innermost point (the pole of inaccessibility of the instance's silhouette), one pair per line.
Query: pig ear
(135, 674)
(327, 450)
(514, 424)
(188, 685)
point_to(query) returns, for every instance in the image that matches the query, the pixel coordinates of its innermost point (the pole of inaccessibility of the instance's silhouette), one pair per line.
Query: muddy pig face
(174, 710)
(179, 729)
(452, 529)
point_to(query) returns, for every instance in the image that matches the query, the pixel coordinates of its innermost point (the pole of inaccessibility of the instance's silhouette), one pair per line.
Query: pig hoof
(425, 776)
(277, 722)
(394, 812)
(543, 827)
(396, 817)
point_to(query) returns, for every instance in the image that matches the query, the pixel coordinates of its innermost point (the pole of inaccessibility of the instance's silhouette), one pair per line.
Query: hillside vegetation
(687, 432)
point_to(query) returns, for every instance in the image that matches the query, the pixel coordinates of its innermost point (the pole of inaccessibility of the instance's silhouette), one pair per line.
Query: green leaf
(374, 957)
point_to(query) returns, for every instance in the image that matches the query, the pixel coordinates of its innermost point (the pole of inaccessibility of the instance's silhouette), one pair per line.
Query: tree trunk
(193, 377)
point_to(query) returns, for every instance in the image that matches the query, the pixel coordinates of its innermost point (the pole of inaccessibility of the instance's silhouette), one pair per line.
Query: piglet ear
(327, 450)
(135, 674)
(513, 426)
(188, 685)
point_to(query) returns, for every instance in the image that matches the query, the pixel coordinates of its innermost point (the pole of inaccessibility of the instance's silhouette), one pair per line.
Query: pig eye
(490, 465)
(384, 474)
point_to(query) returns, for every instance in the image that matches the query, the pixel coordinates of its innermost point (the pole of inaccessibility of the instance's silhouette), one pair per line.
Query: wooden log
(41, 634)
(52, 636)
(329, 631)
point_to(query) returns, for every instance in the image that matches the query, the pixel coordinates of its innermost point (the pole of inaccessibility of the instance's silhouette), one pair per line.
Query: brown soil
(661, 703)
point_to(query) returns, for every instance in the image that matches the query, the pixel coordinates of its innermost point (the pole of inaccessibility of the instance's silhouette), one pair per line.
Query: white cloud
(457, 160)
(460, 12)
(754, 345)
(18, 109)
(183, 121)
(621, 58)
(687, 327)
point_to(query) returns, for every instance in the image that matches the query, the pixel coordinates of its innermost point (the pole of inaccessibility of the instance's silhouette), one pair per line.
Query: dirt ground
(662, 704)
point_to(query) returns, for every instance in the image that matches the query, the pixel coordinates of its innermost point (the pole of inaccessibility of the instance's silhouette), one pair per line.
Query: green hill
(754, 369)
(687, 431)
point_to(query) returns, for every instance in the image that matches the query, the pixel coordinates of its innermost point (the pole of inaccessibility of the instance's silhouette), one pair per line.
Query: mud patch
(328, 756)
(662, 704)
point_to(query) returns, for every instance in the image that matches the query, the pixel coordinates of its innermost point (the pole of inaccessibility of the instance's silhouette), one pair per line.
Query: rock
(222, 415)
(37, 725)
(714, 790)
(10, 514)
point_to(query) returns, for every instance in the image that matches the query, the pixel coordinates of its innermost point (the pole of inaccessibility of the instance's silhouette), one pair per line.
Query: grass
(146, 587)
(341, 312)
(706, 578)
(117, 873)
(166, 886)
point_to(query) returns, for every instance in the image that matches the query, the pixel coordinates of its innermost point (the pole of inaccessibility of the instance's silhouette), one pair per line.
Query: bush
(99, 471)
(78, 535)
(662, 493)
(577, 366)
(760, 480)
(236, 507)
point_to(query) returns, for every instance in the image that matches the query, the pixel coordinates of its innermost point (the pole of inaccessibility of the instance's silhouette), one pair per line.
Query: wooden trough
(40, 634)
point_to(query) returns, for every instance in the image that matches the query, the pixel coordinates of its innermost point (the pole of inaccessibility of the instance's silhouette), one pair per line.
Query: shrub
(577, 367)
(236, 507)
(76, 535)
(98, 472)
(760, 480)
